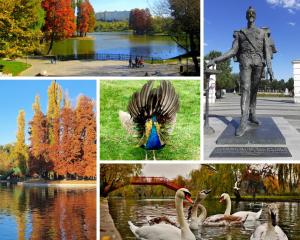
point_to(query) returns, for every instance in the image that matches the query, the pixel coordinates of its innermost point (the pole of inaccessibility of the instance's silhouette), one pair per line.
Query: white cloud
(291, 11)
(292, 24)
(290, 4)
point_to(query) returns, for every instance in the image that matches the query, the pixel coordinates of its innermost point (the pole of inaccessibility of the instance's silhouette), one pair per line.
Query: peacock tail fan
(153, 111)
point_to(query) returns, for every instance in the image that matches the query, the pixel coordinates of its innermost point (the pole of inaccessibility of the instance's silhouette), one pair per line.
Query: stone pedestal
(296, 72)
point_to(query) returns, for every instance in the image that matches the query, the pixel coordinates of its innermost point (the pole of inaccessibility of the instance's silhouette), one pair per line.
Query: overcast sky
(168, 170)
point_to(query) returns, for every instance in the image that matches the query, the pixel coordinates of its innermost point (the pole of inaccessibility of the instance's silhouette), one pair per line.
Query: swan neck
(228, 206)
(195, 209)
(180, 213)
(203, 213)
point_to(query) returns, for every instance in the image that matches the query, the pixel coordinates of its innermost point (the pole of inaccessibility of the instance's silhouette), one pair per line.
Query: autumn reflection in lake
(47, 213)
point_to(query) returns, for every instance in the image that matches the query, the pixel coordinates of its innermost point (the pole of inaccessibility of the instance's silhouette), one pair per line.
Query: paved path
(97, 68)
(284, 112)
(108, 230)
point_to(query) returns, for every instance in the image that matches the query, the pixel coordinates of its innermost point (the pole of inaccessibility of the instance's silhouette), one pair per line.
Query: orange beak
(189, 199)
(221, 200)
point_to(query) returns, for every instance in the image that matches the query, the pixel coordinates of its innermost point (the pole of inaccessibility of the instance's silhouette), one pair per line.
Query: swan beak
(221, 200)
(188, 198)
(207, 191)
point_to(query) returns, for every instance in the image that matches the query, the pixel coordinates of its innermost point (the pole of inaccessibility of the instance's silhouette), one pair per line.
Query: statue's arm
(231, 53)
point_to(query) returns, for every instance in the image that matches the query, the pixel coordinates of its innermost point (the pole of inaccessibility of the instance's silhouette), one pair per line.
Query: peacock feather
(152, 114)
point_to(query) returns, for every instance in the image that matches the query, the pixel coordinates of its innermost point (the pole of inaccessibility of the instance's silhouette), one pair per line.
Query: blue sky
(16, 95)
(111, 5)
(221, 18)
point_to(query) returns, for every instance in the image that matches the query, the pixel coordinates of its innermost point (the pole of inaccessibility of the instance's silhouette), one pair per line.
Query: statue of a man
(253, 48)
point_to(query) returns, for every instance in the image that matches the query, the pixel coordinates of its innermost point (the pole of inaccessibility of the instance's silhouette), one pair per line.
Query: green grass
(117, 144)
(13, 67)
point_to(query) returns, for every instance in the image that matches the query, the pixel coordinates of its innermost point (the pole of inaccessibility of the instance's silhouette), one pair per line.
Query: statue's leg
(256, 77)
(245, 76)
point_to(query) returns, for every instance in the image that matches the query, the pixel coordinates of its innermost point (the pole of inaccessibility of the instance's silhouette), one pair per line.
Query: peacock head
(154, 119)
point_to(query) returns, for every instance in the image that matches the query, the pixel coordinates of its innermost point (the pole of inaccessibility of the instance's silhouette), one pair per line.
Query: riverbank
(59, 184)
(108, 230)
(97, 68)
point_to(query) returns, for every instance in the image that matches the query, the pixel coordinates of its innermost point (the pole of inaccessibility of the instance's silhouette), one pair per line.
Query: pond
(136, 211)
(47, 213)
(120, 43)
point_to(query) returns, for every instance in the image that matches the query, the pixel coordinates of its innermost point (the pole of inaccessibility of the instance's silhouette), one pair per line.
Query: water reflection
(47, 213)
(136, 211)
(120, 43)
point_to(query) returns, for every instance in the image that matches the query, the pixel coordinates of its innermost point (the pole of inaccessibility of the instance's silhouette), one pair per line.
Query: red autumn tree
(86, 132)
(86, 18)
(59, 20)
(39, 162)
(140, 20)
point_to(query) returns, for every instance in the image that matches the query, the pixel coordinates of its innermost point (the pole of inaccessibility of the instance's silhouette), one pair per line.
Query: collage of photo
(149, 120)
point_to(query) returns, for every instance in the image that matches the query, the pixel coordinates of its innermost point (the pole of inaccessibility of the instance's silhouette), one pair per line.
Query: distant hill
(110, 16)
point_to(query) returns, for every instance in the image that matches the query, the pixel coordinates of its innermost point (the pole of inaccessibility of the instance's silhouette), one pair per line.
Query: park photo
(149, 120)
(48, 159)
(100, 38)
(205, 202)
(252, 80)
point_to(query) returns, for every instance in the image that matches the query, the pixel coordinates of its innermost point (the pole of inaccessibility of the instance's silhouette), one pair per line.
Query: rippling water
(39, 213)
(120, 43)
(136, 211)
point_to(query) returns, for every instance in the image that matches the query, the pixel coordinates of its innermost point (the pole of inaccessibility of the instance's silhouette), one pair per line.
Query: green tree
(225, 79)
(20, 24)
(290, 84)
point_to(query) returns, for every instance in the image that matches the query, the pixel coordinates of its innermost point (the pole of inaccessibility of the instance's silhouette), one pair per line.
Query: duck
(151, 115)
(270, 230)
(166, 231)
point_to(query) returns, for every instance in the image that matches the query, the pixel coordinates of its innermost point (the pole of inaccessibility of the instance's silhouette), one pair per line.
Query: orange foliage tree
(86, 18)
(59, 20)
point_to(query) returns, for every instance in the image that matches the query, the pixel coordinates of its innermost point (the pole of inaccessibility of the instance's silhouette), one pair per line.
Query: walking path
(97, 68)
(284, 112)
(108, 229)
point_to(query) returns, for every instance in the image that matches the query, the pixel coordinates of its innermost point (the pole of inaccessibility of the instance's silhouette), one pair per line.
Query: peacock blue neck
(153, 141)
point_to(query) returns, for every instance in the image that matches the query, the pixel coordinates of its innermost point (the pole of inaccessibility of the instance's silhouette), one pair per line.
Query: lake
(47, 213)
(136, 211)
(120, 43)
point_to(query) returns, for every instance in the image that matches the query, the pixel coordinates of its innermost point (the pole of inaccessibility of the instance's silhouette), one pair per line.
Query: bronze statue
(253, 48)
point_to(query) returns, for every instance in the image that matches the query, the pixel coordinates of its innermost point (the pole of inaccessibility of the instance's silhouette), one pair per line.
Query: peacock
(151, 115)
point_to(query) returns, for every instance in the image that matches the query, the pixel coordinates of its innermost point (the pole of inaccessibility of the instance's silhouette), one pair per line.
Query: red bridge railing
(155, 181)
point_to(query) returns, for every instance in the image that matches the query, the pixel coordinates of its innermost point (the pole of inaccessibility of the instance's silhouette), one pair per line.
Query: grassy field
(13, 67)
(117, 144)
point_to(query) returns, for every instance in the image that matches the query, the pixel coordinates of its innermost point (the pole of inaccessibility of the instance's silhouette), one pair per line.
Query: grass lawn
(13, 67)
(117, 144)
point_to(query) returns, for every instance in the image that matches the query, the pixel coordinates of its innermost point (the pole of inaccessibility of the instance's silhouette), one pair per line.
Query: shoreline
(108, 229)
(59, 184)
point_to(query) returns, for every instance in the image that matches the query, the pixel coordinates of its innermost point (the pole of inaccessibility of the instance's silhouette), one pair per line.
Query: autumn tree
(86, 18)
(20, 24)
(59, 20)
(86, 134)
(21, 150)
(114, 176)
(39, 162)
(140, 20)
(53, 117)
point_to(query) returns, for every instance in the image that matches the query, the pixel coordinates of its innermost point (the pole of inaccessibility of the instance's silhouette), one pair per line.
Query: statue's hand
(210, 63)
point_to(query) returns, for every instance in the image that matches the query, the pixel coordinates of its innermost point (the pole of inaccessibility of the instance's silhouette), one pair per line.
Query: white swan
(166, 231)
(270, 230)
(226, 218)
(193, 211)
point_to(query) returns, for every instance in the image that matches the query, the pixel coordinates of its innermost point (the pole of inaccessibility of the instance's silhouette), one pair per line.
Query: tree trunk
(51, 43)
(194, 53)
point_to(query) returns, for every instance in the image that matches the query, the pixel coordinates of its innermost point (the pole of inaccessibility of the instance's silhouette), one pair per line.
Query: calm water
(47, 213)
(120, 43)
(136, 211)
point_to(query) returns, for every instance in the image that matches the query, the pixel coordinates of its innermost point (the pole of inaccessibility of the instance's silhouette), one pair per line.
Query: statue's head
(251, 14)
